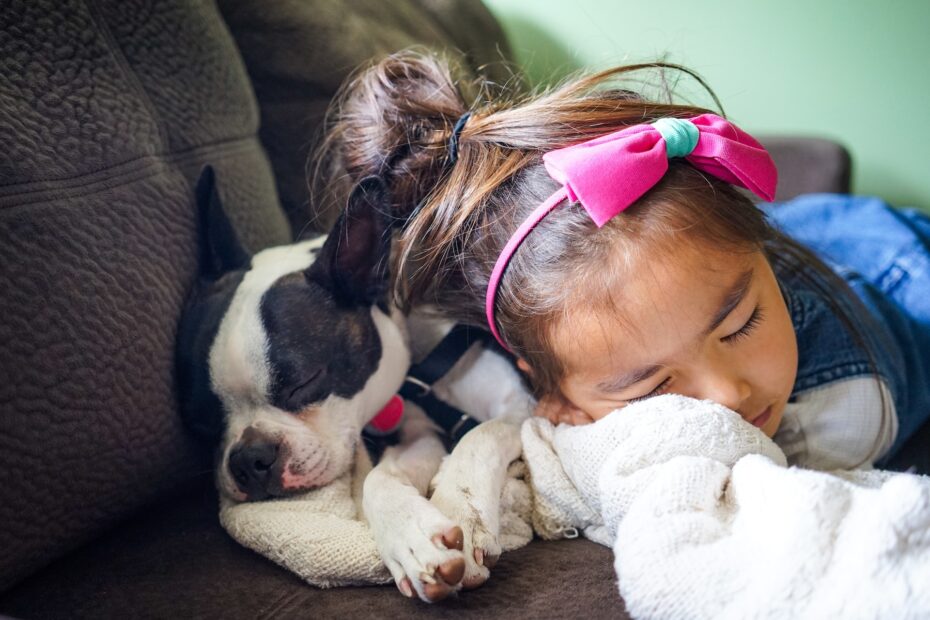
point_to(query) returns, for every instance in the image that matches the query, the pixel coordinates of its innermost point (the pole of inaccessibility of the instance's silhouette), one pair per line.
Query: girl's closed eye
(754, 320)
(743, 332)
(658, 390)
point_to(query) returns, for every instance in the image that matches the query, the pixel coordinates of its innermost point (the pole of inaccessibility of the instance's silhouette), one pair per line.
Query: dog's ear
(220, 249)
(353, 262)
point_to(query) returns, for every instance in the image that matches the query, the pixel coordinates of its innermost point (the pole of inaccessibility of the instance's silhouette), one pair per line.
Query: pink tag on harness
(390, 416)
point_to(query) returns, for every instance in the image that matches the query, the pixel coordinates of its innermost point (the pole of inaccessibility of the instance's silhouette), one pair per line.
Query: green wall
(857, 71)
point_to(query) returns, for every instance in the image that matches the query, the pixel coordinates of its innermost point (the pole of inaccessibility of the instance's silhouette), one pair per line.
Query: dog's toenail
(479, 556)
(405, 587)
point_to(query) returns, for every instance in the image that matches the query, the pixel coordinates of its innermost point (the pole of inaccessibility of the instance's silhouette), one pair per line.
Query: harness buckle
(425, 388)
(453, 432)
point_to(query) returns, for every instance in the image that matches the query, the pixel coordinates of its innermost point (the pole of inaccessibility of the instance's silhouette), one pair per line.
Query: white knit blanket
(318, 535)
(706, 521)
(322, 537)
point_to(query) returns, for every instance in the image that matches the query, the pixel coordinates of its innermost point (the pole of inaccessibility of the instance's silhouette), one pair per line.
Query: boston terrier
(284, 357)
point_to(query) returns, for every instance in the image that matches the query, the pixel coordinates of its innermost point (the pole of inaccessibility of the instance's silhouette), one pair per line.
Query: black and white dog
(283, 359)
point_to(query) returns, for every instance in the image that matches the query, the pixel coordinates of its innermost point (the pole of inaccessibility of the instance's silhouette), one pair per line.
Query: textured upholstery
(107, 111)
(298, 54)
(176, 562)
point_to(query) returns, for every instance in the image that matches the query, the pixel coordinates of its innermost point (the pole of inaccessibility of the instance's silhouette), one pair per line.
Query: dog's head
(283, 357)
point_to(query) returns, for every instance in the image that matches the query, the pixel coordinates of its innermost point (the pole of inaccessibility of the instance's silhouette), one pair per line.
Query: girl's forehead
(644, 308)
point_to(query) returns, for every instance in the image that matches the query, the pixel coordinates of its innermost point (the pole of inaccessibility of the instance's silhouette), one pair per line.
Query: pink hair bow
(609, 173)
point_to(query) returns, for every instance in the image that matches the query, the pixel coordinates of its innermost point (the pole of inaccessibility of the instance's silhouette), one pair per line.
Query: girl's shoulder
(858, 233)
(829, 348)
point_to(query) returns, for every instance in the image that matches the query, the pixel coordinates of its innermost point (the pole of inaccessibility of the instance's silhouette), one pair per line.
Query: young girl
(603, 240)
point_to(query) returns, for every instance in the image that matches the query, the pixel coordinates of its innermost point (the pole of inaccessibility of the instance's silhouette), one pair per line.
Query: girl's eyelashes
(658, 390)
(754, 319)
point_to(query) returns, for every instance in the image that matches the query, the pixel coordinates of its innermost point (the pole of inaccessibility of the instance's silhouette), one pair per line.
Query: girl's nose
(727, 387)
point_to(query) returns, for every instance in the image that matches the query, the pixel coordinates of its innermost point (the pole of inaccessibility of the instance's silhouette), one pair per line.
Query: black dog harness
(418, 389)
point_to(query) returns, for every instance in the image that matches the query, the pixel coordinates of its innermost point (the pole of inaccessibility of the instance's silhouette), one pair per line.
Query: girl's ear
(524, 367)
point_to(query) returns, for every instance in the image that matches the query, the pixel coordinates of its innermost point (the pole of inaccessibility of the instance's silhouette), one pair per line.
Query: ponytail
(392, 119)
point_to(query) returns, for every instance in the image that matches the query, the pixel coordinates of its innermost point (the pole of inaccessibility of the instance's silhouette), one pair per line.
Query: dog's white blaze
(238, 357)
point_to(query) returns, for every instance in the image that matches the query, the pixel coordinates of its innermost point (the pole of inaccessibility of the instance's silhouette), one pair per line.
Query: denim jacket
(884, 256)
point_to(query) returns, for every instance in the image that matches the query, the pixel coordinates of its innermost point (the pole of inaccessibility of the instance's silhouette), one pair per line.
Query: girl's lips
(760, 420)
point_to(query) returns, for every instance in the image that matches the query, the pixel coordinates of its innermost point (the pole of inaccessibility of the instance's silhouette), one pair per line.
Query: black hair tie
(454, 138)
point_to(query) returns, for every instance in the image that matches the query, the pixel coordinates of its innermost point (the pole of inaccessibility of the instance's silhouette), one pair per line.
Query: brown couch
(108, 109)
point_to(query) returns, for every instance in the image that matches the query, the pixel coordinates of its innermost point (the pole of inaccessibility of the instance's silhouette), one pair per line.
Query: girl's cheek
(777, 355)
(576, 416)
(558, 411)
(599, 411)
(579, 417)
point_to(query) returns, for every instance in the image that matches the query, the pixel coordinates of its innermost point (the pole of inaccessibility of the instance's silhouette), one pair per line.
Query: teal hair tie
(681, 136)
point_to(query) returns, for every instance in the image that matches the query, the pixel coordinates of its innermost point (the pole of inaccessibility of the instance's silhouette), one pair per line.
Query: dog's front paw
(480, 546)
(468, 488)
(423, 551)
(434, 582)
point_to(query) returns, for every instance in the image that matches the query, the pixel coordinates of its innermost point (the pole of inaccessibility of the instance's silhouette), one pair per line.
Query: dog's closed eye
(309, 390)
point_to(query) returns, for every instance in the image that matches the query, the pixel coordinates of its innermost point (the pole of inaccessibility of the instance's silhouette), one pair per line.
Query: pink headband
(608, 174)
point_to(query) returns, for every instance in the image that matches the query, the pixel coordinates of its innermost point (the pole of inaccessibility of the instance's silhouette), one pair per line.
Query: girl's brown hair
(395, 120)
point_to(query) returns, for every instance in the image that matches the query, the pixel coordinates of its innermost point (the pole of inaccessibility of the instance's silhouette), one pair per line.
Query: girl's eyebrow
(618, 384)
(731, 299)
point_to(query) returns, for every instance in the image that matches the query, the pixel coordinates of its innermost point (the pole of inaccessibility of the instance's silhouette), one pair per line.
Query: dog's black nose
(251, 467)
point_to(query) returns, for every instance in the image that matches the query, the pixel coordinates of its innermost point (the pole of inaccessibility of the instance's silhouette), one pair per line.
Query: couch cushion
(299, 53)
(108, 110)
(174, 561)
(809, 165)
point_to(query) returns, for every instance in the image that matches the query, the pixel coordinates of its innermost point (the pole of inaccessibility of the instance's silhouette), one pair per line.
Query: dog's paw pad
(436, 591)
(452, 571)
(452, 538)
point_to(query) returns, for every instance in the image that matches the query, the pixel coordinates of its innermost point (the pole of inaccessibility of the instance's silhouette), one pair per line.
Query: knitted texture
(321, 535)
(317, 535)
(706, 521)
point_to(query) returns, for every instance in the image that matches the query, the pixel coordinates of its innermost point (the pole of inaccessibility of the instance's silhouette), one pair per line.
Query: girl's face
(706, 324)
